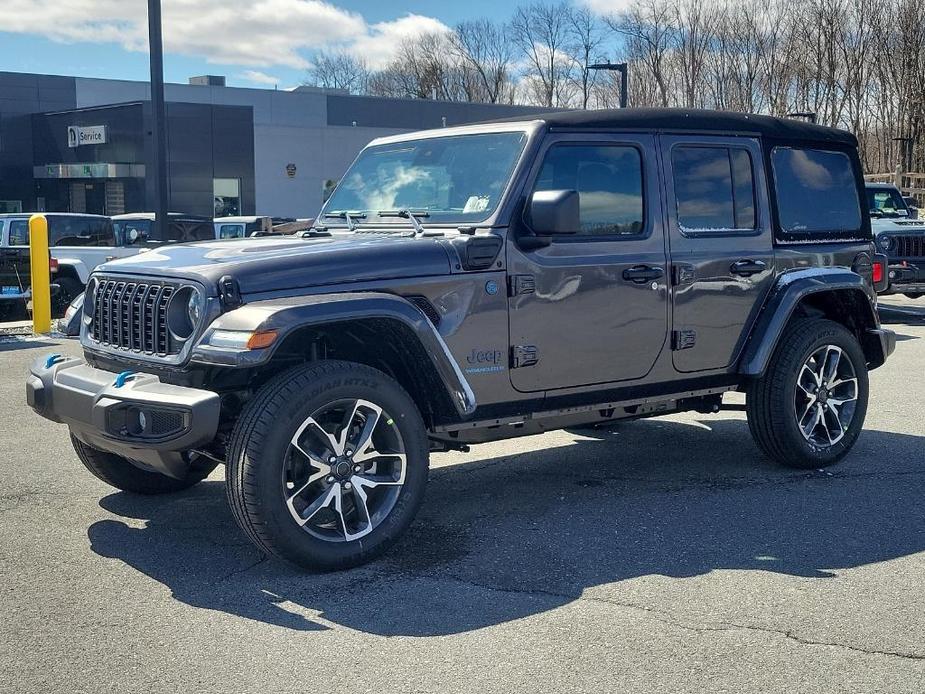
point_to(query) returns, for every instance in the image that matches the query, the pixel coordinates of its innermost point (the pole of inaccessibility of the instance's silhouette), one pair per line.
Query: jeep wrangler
(474, 283)
(900, 235)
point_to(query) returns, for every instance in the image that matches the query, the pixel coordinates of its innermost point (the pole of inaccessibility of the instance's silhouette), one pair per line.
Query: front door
(721, 249)
(592, 308)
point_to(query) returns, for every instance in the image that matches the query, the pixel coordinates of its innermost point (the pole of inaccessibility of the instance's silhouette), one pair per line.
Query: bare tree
(648, 34)
(484, 50)
(542, 33)
(585, 41)
(338, 70)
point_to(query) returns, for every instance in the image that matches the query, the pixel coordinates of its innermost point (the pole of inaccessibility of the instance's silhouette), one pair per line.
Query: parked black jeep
(470, 284)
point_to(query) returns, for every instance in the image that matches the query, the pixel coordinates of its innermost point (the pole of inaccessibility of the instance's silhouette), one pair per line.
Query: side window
(80, 231)
(608, 179)
(19, 232)
(231, 231)
(817, 193)
(714, 188)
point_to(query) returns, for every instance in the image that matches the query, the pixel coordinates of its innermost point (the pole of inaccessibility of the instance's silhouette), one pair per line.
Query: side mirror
(554, 212)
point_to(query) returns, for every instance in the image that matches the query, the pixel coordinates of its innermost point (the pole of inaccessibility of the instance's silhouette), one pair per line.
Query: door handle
(747, 268)
(110, 257)
(640, 274)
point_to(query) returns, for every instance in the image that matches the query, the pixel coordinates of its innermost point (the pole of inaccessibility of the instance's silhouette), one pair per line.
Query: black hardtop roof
(695, 120)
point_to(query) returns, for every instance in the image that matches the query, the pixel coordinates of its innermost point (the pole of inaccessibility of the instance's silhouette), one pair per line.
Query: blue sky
(251, 42)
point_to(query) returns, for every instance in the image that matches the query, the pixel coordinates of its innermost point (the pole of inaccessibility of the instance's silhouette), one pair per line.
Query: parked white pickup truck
(78, 243)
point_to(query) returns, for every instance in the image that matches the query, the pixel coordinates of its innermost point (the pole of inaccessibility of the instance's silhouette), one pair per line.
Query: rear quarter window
(816, 195)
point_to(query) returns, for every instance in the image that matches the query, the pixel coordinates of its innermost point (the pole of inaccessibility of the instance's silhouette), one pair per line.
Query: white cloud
(258, 77)
(382, 40)
(607, 7)
(251, 33)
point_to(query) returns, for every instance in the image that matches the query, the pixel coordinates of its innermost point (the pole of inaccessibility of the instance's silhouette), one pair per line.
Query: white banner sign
(78, 135)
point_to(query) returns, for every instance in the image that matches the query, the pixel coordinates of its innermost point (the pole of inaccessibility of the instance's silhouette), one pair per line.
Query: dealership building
(73, 144)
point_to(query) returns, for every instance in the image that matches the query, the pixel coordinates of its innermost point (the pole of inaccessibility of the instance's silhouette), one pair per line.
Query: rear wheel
(123, 474)
(912, 295)
(327, 465)
(809, 407)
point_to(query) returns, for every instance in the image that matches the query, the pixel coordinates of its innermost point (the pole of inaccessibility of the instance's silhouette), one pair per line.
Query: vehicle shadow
(505, 538)
(10, 344)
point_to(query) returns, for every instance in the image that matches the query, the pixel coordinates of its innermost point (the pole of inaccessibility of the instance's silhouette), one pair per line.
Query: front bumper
(133, 415)
(905, 278)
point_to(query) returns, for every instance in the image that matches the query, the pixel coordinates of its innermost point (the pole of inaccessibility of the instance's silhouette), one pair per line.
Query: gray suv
(471, 284)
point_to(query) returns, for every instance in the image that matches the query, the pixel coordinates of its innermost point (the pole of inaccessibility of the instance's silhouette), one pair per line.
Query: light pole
(159, 117)
(615, 67)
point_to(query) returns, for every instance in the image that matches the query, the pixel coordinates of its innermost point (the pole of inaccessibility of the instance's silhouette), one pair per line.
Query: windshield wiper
(412, 217)
(348, 217)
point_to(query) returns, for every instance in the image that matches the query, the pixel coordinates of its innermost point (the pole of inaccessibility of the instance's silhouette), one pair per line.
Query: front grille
(910, 246)
(132, 316)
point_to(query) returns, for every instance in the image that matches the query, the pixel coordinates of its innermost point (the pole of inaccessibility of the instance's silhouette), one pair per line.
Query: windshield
(452, 179)
(886, 202)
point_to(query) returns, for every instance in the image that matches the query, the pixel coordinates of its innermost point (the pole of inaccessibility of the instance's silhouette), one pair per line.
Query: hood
(274, 263)
(899, 225)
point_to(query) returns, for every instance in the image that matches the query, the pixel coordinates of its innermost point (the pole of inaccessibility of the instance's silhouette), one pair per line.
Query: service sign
(78, 135)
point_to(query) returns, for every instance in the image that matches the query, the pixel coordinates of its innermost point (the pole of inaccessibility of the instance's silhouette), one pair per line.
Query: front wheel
(327, 465)
(809, 407)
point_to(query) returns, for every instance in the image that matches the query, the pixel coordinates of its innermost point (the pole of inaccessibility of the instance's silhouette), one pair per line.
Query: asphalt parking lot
(662, 555)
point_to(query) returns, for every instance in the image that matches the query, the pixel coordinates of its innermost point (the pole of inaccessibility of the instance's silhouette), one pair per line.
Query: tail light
(879, 273)
(52, 264)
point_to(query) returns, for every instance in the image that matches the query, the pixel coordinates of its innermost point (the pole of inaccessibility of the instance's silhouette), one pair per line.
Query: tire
(68, 290)
(778, 403)
(912, 295)
(280, 444)
(123, 474)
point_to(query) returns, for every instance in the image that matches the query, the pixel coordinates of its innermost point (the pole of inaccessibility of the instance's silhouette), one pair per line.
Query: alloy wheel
(826, 396)
(344, 470)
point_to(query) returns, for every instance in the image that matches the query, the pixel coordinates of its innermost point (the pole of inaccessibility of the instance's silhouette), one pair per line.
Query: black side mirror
(555, 212)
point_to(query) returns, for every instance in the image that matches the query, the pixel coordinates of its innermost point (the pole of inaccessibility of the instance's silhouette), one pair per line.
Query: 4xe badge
(483, 361)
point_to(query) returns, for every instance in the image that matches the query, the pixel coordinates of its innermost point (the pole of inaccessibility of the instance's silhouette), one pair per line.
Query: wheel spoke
(808, 389)
(309, 512)
(853, 382)
(809, 428)
(817, 381)
(830, 365)
(361, 446)
(365, 521)
(333, 444)
(841, 429)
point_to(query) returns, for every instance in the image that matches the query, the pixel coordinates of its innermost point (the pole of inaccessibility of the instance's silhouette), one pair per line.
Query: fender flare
(288, 314)
(792, 288)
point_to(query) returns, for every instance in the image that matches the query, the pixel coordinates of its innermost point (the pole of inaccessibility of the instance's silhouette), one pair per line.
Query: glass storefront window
(227, 193)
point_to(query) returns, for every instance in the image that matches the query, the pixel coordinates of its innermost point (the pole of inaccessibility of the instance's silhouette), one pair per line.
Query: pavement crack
(244, 569)
(670, 619)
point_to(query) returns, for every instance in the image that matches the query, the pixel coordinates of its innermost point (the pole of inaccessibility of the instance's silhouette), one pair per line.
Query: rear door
(720, 238)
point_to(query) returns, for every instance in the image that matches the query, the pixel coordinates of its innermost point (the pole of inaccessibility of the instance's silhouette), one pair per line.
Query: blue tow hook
(53, 359)
(123, 377)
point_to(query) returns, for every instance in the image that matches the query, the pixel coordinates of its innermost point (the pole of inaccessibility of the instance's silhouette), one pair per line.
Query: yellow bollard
(41, 273)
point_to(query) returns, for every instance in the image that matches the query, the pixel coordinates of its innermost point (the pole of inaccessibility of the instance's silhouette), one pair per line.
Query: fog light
(142, 420)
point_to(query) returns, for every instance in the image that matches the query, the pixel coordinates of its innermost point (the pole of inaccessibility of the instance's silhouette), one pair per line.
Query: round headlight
(185, 312)
(885, 242)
